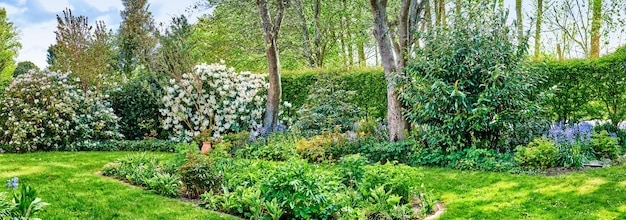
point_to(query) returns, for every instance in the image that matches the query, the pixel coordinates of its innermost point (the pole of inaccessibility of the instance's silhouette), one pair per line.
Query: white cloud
(13, 11)
(55, 6)
(35, 41)
(105, 5)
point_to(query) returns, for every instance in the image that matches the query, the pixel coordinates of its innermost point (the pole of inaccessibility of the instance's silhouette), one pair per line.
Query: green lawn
(68, 181)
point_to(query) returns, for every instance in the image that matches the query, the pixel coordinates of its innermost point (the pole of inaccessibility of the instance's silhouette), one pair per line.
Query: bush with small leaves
(604, 146)
(540, 153)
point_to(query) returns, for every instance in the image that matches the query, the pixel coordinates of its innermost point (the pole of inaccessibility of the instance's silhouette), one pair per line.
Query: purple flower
(12, 183)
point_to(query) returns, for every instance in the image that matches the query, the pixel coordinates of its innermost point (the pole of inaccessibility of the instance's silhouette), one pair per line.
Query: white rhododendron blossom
(213, 98)
(43, 110)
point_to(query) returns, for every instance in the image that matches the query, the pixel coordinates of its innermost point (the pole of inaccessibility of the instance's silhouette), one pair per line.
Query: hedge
(587, 89)
(369, 84)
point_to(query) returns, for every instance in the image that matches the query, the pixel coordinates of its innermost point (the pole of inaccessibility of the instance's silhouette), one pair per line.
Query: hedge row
(369, 84)
(587, 89)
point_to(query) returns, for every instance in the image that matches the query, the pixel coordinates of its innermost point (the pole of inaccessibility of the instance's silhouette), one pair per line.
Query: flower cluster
(569, 134)
(44, 110)
(213, 98)
(12, 183)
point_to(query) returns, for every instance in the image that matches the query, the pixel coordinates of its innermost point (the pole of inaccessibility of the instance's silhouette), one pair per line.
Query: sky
(36, 19)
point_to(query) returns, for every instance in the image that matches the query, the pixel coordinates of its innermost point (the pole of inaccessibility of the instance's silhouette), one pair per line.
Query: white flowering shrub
(43, 110)
(213, 99)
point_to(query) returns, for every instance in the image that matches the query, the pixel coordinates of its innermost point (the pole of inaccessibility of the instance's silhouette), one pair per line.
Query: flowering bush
(213, 98)
(43, 110)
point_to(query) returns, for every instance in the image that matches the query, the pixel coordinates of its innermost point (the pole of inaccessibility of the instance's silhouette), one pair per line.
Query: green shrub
(277, 147)
(303, 193)
(44, 111)
(540, 153)
(328, 108)
(164, 183)
(369, 84)
(583, 89)
(137, 103)
(573, 155)
(352, 169)
(604, 146)
(199, 175)
(480, 159)
(470, 85)
(154, 145)
(384, 152)
(613, 129)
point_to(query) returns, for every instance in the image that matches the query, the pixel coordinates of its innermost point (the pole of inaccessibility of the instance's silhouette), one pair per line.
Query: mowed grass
(69, 182)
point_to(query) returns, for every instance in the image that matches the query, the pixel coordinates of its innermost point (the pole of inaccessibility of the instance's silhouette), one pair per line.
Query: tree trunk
(520, 23)
(596, 24)
(538, 28)
(271, 30)
(393, 64)
(361, 51)
(306, 40)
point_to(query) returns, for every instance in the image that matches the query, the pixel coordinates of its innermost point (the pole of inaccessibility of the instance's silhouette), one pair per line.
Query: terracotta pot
(206, 147)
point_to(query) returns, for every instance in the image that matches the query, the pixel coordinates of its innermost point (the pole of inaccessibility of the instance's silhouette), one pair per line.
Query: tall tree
(596, 24)
(271, 29)
(136, 36)
(9, 46)
(176, 51)
(84, 52)
(520, 23)
(23, 68)
(395, 40)
(538, 27)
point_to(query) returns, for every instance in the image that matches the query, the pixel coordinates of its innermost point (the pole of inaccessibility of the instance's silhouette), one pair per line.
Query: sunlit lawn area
(69, 182)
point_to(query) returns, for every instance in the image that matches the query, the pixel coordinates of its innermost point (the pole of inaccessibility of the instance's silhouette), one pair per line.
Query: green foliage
(573, 155)
(613, 130)
(23, 204)
(604, 146)
(400, 151)
(583, 89)
(352, 168)
(137, 104)
(480, 159)
(199, 175)
(9, 46)
(277, 147)
(23, 68)
(540, 153)
(153, 145)
(44, 111)
(164, 183)
(368, 84)
(328, 108)
(470, 85)
(136, 40)
(304, 194)
(176, 50)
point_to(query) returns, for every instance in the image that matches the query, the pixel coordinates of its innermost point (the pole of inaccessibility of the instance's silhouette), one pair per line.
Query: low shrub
(276, 147)
(164, 183)
(154, 145)
(604, 146)
(480, 159)
(540, 153)
(199, 175)
(328, 108)
(614, 130)
(401, 151)
(352, 168)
